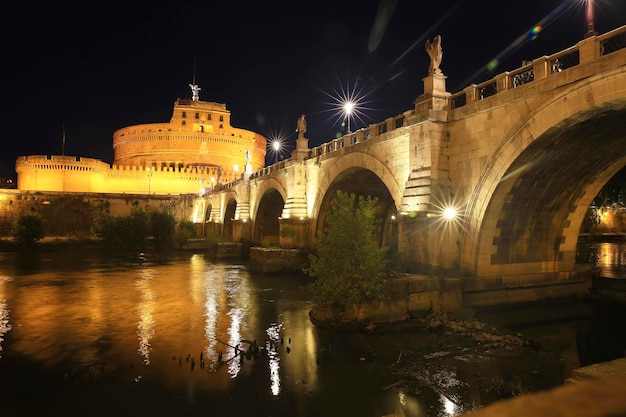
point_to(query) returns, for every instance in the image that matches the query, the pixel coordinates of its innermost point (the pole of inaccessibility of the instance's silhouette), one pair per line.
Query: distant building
(195, 151)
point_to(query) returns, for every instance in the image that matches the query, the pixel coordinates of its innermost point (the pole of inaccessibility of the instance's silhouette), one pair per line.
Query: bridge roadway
(520, 157)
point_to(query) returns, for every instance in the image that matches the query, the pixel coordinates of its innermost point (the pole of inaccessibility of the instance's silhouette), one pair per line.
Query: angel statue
(301, 129)
(194, 91)
(436, 54)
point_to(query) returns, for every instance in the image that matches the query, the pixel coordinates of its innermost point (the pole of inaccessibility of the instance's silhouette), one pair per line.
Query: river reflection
(5, 326)
(612, 259)
(89, 334)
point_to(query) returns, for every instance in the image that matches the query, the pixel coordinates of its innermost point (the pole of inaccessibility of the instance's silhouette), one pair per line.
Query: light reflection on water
(182, 323)
(5, 325)
(150, 331)
(612, 259)
(145, 310)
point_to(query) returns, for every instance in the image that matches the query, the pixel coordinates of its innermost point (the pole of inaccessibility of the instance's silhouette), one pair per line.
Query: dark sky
(97, 66)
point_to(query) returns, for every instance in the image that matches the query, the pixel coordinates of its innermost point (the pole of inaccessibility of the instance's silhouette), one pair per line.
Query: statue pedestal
(435, 97)
(435, 85)
(302, 149)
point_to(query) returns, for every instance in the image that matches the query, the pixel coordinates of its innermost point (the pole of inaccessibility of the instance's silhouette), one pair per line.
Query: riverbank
(498, 354)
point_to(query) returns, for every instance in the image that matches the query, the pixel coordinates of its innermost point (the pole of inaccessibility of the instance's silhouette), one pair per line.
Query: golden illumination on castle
(195, 151)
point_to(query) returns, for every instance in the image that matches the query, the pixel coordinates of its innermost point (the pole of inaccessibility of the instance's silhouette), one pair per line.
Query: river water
(91, 333)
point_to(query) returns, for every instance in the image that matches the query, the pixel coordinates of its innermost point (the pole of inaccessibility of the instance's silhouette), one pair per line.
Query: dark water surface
(86, 333)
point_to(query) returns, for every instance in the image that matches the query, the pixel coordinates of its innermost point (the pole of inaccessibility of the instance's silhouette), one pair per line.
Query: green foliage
(131, 231)
(162, 227)
(185, 230)
(348, 265)
(27, 230)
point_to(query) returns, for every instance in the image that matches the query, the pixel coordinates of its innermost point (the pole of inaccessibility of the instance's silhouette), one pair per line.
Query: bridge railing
(542, 67)
(364, 134)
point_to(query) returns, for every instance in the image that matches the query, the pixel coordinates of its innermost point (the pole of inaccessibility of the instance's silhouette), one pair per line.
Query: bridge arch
(353, 178)
(339, 166)
(562, 155)
(270, 202)
(261, 188)
(229, 208)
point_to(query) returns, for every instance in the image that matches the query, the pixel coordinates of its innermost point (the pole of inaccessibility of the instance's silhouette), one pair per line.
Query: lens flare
(348, 105)
(534, 32)
(528, 36)
(493, 64)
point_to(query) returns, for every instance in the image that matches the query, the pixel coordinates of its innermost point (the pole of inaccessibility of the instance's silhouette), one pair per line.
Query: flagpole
(63, 146)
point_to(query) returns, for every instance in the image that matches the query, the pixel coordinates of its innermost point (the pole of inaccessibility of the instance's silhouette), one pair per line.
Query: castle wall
(72, 174)
(72, 214)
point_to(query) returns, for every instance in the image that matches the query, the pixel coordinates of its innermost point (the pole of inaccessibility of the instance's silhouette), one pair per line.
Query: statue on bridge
(433, 48)
(301, 128)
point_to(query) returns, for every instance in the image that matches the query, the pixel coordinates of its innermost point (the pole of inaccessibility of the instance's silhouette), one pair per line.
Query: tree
(185, 230)
(348, 264)
(27, 229)
(162, 226)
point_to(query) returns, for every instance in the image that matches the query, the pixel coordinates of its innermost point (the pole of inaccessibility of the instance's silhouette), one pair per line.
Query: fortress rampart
(75, 174)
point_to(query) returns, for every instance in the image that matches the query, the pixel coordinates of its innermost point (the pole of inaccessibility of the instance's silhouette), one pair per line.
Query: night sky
(95, 67)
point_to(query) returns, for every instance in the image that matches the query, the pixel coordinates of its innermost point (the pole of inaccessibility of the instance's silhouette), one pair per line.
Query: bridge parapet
(585, 51)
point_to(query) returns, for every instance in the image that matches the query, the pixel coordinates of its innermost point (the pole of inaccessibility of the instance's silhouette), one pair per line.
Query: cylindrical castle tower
(198, 135)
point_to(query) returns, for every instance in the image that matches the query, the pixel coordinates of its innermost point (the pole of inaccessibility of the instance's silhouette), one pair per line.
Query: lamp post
(277, 145)
(590, 27)
(150, 172)
(347, 109)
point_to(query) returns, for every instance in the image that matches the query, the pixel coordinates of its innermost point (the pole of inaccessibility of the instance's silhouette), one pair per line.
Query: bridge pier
(428, 244)
(242, 230)
(295, 233)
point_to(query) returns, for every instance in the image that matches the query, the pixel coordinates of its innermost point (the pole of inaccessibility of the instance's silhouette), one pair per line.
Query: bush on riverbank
(348, 264)
(133, 230)
(27, 230)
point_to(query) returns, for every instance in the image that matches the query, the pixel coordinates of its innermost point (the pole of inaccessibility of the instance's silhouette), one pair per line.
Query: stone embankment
(487, 336)
(597, 397)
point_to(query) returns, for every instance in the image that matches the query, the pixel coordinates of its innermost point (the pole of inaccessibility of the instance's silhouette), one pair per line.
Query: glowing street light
(276, 144)
(449, 213)
(348, 106)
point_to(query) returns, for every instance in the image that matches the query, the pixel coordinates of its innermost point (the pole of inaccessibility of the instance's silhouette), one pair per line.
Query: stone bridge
(519, 158)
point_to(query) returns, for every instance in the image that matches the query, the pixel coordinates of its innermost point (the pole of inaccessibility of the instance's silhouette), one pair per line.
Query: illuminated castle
(196, 150)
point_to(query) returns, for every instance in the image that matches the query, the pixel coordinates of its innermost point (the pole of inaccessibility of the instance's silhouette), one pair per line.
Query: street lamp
(348, 106)
(277, 145)
(150, 172)
(590, 29)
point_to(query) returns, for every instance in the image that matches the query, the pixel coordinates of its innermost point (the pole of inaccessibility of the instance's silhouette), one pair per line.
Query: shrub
(348, 265)
(185, 230)
(162, 226)
(27, 229)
